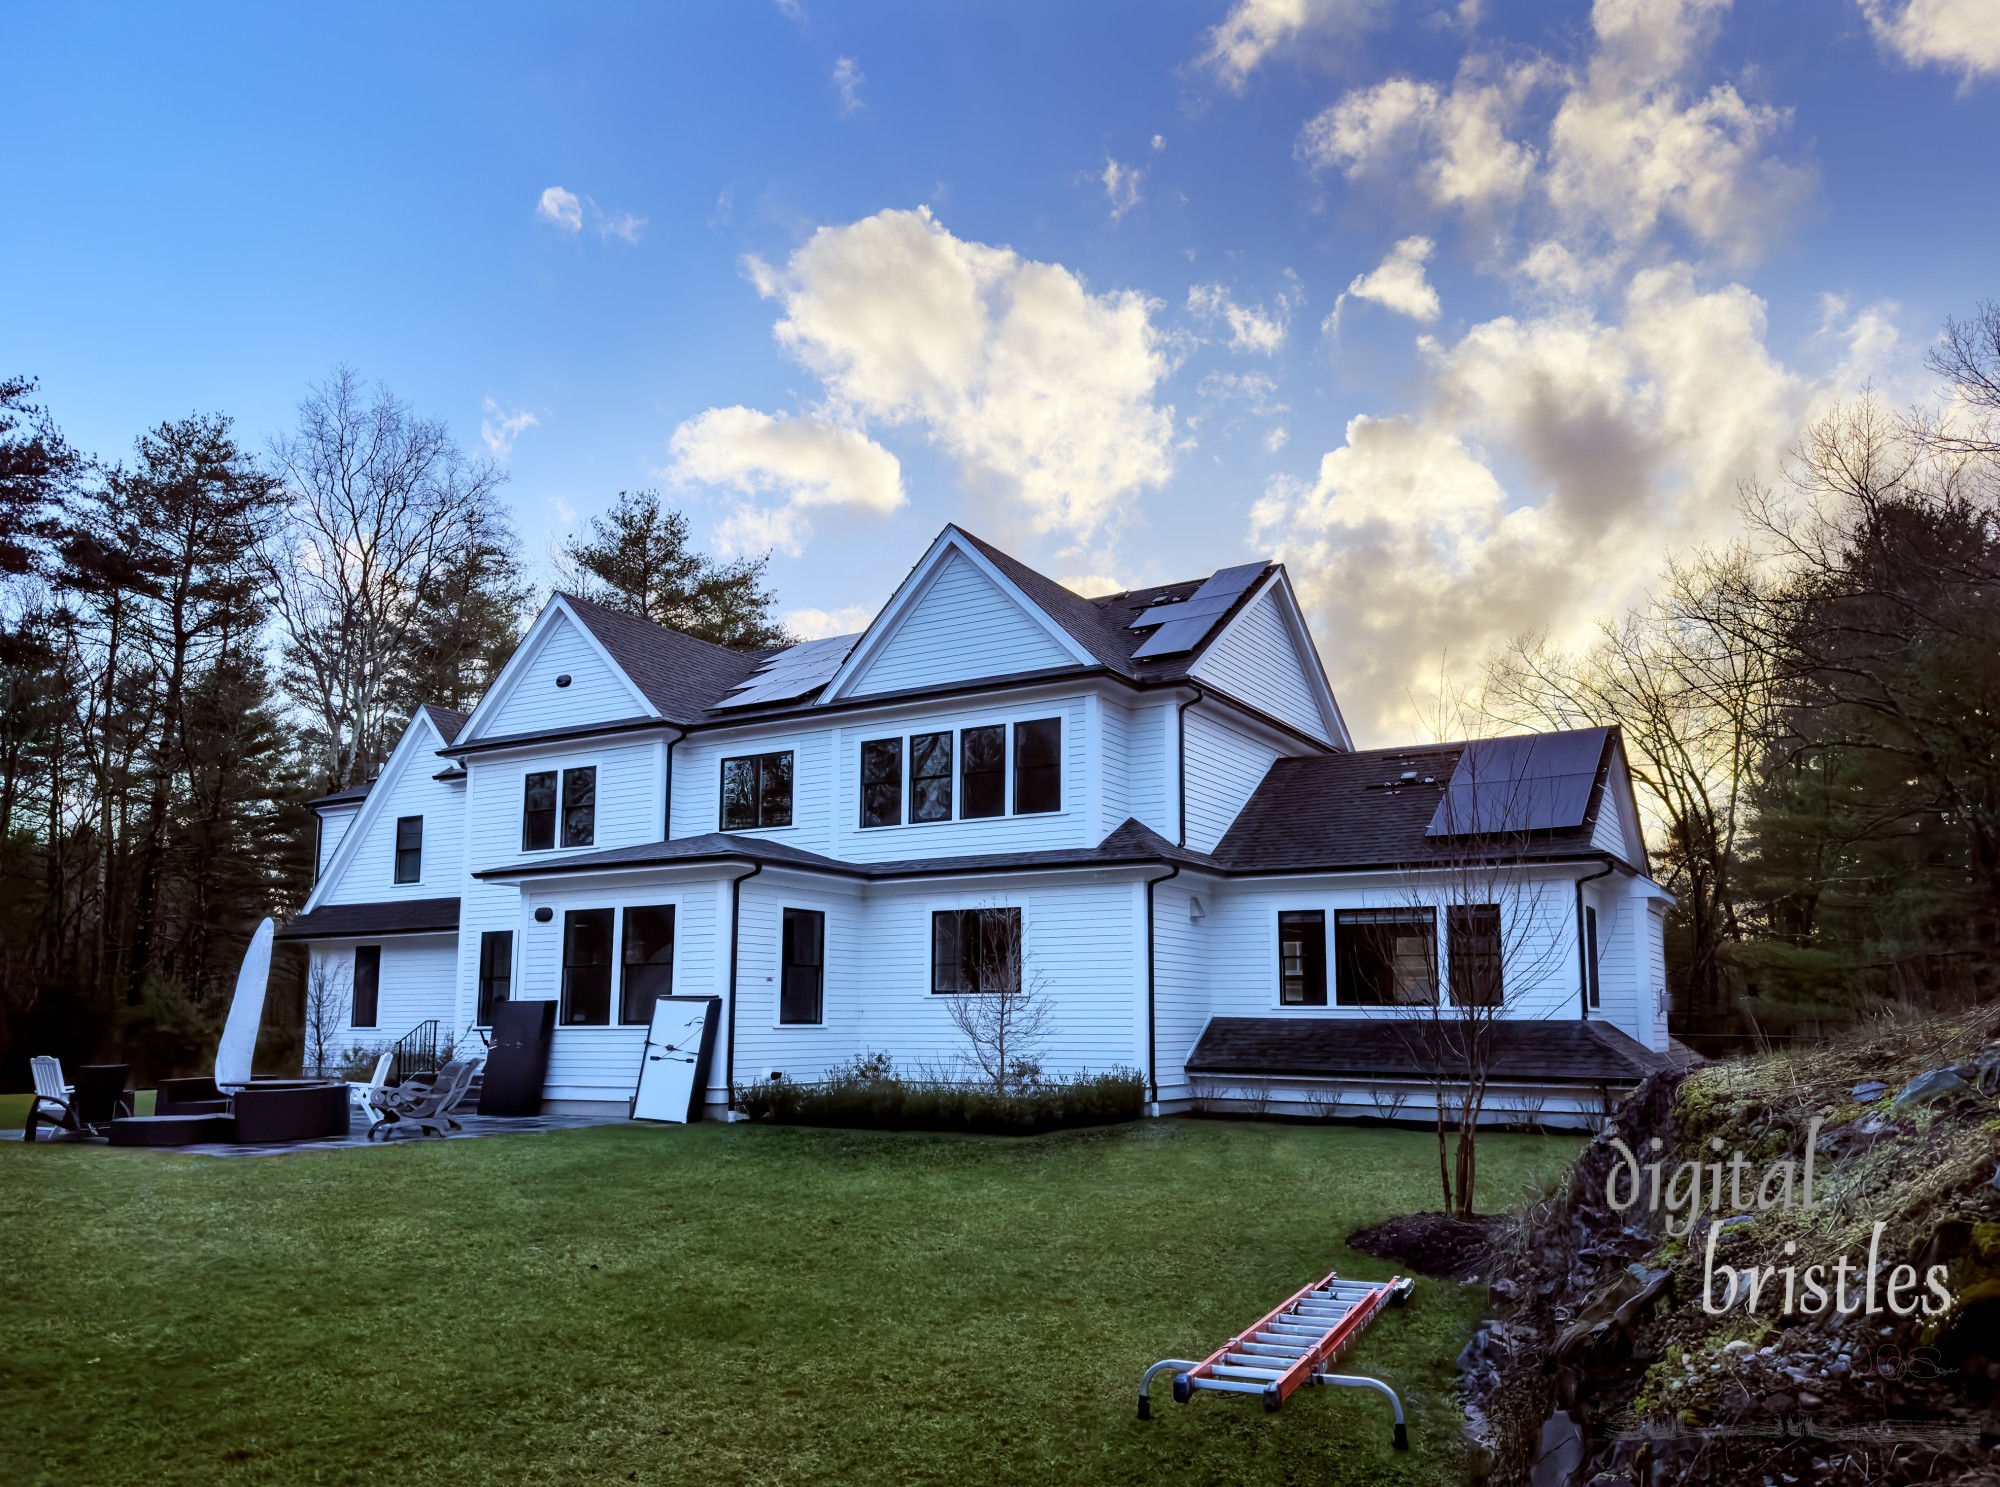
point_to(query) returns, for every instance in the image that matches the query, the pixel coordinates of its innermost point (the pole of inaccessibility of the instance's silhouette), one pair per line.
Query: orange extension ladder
(1290, 1347)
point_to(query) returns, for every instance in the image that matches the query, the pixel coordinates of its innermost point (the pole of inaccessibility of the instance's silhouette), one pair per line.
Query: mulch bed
(1439, 1244)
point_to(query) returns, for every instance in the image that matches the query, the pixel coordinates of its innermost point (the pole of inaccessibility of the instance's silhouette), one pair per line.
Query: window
(1302, 958)
(579, 806)
(882, 782)
(930, 777)
(1472, 941)
(586, 983)
(976, 950)
(983, 758)
(1590, 955)
(409, 849)
(757, 791)
(1038, 766)
(367, 984)
(649, 961)
(802, 989)
(496, 972)
(538, 812)
(1386, 957)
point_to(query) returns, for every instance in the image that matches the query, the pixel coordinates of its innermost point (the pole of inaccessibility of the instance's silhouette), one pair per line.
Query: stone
(1928, 1088)
(1868, 1090)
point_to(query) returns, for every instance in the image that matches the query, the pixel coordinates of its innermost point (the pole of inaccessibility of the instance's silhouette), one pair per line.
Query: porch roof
(1568, 1051)
(402, 916)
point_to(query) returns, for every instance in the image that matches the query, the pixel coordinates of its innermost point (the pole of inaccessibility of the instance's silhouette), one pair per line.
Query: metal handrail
(416, 1052)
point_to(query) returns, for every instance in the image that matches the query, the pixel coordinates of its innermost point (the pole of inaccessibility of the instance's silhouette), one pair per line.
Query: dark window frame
(975, 785)
(942, 779)
(1311, 975)
(409, 856)
(1346, 988)
(543, 817)
(1031, 776)
(792, 968)
(651, 963)
(761, 807)
(373, 953)
(1474, 955)
(886, 790)
(989, 927)
(609, 966)
(496, 974)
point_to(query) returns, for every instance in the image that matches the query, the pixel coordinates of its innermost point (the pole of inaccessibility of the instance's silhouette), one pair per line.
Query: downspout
(1582, 945)
(1180, 754)
(735, 934)
(667, 825)
(1152, 1041)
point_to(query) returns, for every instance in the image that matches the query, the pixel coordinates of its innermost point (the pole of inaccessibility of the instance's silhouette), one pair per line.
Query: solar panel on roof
(793, 672)
(1185, 624)
(1535, 782)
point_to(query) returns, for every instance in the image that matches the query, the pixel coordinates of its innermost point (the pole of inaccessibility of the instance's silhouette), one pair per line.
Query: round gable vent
(563, 680)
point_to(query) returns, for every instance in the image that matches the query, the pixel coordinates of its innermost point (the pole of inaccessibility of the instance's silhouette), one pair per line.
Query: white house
(1148, 800)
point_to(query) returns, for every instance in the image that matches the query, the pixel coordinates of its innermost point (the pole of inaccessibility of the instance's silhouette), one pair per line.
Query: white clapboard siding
(333, 824)
(1654, 937)
(1256, 660)
(1624, 997)
(1224, 766)
(408, 787)
(1608, 834)
(698, 764)
(1180, 976)
(962, 627)
(1114, 767)
(1149, 793)
(533, 703)
(630, 806)
(418, 976)
(801, 1051)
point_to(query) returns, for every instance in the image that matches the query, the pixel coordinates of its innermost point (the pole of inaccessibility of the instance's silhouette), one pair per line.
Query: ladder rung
(1275, 1350)
(1237, 1371)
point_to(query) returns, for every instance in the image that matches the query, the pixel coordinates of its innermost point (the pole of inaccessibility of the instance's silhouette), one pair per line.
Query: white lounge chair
(365, 1092)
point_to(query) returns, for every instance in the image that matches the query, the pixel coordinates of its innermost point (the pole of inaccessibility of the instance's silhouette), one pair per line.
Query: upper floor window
(802, 992)
(882, 782)
(1302, 958)
(409, 849)
(1038, 766)
(1472, 945)
(367, 985)
(983, 758)
(1591, 989)
(930, 777)
(757, 791)
(1386, 957)
(975, 950)
(576, 808)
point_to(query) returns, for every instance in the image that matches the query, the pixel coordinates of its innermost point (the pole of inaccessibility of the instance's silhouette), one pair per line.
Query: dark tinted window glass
(409, 849)
(496, 971)
(757, 791)
(538, 813)
(1302, 958)
(739, 794)
(1385, 957)
(649, 961)
(774, 790)
(799, 998)
(930, 777)
(1590, 954)
(1038, 766)
(1472, 935)
(579, 807)
(976, 950)
(586, 988)
(882, 782)
(985, 779)
(367, 984)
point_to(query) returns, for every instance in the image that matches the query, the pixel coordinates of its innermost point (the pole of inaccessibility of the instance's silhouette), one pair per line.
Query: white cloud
(792, 10)
(1121, 186)
(1254, 390)
(1254, 29)
(847, 81)
(1398, 283)
(804, 461)
(1251, 327)
(561, 208)
(1276, 439)
(1092, 585)
(1042, 391)
(500, 429)
(1961, 36)
(624, 227)
(1159, 142)
(823, 624)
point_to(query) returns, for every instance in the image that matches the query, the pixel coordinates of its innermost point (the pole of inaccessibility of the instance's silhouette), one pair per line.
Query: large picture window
(757, 791)
(1472, 946)
(367, 985)
(882, 782)
(1038, 766)
(975, 950)
(649, 961)
(1385, 957)
(930, 777)
(409, 849)
(579, 806)
(1302, 958)
(538, 811)
(983, 781)
(496, 972)
(802, 990)
(586, 983)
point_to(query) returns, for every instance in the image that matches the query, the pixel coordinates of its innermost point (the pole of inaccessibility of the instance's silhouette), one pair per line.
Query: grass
(713, 1304)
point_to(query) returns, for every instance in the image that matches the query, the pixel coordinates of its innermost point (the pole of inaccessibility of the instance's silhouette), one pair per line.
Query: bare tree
(1005, 1018)
(380, 503)
(327, 998)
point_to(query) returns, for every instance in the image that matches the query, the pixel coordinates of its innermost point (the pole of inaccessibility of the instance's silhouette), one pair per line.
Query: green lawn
(709, 1304)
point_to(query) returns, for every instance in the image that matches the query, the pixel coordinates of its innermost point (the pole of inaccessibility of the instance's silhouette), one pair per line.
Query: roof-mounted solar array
(1536, 782)
(1184, 624)
(793, 672)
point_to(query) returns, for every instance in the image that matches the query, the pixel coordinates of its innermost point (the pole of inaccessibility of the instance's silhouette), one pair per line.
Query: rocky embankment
(1762, 1318)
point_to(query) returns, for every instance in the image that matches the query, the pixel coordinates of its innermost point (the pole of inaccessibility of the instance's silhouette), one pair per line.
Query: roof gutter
(1582, 946)
(1152, 1037)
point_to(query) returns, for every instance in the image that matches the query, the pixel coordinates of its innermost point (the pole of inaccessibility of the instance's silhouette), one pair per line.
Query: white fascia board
(524, 657)
(911, 591)
(420, 739)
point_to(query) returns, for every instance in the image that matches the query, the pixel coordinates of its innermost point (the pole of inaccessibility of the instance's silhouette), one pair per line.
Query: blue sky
(1472, 314)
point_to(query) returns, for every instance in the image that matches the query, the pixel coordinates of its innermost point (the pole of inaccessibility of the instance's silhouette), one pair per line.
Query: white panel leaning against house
(1217, 890)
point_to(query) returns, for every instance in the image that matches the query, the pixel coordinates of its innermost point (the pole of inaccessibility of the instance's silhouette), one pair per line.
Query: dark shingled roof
(1570, 1051)
(446, 720)
(351, 795)
(406, 916)
(679, 675)
(1357, 810)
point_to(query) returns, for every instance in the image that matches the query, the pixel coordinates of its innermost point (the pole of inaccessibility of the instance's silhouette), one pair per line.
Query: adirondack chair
(54, 1103)
(365, 1093)
(426, 1109)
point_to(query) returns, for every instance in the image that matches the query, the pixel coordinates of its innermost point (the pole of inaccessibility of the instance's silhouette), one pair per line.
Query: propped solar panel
(1184, 625)
(793, 672)
(1534, 782)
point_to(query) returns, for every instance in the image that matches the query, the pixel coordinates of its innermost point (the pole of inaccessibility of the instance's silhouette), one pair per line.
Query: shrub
(867, 1094)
